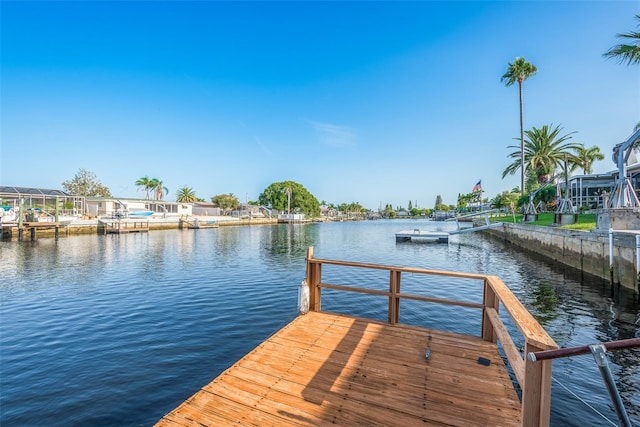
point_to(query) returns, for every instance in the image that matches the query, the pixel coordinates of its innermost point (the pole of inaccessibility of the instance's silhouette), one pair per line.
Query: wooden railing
(533, 378)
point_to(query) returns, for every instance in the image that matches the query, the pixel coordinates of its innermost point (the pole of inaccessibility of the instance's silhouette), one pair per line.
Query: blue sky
(368, 102)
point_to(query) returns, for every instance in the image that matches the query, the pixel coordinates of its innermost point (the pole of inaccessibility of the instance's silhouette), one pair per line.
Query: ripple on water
(118, 330)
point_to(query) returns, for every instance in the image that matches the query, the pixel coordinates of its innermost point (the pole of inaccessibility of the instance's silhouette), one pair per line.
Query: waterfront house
(42, 198)
(109, 206)
(589, 191)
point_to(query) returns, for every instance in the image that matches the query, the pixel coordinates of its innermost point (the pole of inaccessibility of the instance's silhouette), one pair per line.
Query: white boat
(8, 214)
(140, 213)
(62, 219)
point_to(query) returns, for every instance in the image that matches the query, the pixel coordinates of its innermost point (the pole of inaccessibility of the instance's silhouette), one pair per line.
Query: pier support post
(314, 276)
(490, 300)
(536, 392)
(394, 301)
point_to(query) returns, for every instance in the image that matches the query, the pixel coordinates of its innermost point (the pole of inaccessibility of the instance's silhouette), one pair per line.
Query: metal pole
(611, 255)
(582, 349)
(638, 263)
(599, 354)
(20, 219)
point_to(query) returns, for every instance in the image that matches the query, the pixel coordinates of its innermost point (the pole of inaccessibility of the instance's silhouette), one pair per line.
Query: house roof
(27, 191)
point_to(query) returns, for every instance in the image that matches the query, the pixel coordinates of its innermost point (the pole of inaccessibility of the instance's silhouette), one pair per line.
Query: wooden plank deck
(325, 368)
(121, 226)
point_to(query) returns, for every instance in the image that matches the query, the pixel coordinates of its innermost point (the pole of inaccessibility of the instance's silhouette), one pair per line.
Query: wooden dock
(332, 369)
(187, 221)
(7, 229)
(418, 235)
(326, 368)
(124, 225)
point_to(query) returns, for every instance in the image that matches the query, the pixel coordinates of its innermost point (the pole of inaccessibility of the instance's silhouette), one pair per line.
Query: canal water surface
(118, 330)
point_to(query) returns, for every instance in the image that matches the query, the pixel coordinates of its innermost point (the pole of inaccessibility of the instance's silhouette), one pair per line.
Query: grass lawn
(585, 221)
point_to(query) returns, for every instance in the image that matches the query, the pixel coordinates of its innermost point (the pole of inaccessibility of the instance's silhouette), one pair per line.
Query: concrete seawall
(588, 251)
(93, 226)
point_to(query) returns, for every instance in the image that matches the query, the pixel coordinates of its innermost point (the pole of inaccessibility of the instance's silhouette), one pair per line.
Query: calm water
(118, 330)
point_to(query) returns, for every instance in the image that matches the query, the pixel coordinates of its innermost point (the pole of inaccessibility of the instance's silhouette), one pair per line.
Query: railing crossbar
(400, 295)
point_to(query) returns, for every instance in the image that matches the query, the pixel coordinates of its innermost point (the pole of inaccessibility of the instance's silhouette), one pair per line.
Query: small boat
(140, 213)
(8, 214)
(62, 219)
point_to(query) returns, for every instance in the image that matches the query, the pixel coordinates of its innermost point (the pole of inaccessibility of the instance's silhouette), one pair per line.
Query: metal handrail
(582, 349)
(599, 354)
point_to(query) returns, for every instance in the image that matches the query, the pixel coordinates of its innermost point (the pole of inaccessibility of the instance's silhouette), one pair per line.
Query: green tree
(506, 199)
(145, 184)
(158, 189)
(410, 206)
(544, 152)
(438, 202)
(85, 183)
(519, 71)
(629, 53)
(389, 212)
(464, 200)
(226, 201)
(276, 196)
(186, 195)
(353, 209)
(585, 157)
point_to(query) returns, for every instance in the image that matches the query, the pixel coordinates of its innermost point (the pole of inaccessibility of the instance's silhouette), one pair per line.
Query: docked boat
(140, 213)
(61, 220)
(8, 214)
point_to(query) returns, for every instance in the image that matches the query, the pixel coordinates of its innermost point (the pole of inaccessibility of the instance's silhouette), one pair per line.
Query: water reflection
(161, 313)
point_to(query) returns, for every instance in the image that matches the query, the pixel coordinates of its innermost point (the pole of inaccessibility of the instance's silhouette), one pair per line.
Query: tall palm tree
(586, 157)
(544, 152)
(145, 185)
(186, 195)
(519, 71)
(629, 53)
(159, 189)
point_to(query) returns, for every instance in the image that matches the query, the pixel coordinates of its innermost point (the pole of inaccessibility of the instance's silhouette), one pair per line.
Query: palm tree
(159, 189)
(586, 156)
(629, 53)
(544, 152)
(145, 184)
(519, 71)
(287, 191)
(186, 195)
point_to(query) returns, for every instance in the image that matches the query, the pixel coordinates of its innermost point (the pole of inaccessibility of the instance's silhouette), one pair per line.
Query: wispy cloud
(334, 135)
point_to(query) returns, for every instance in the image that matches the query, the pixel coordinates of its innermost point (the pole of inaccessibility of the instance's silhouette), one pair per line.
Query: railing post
(490, 300)
(314, 277)
(394, 301)
(536, 390)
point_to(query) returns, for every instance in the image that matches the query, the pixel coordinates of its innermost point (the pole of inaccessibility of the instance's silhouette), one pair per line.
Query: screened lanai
(591, 190)
(42, 198)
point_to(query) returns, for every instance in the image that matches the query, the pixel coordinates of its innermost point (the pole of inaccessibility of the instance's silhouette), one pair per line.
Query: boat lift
(423, 236)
